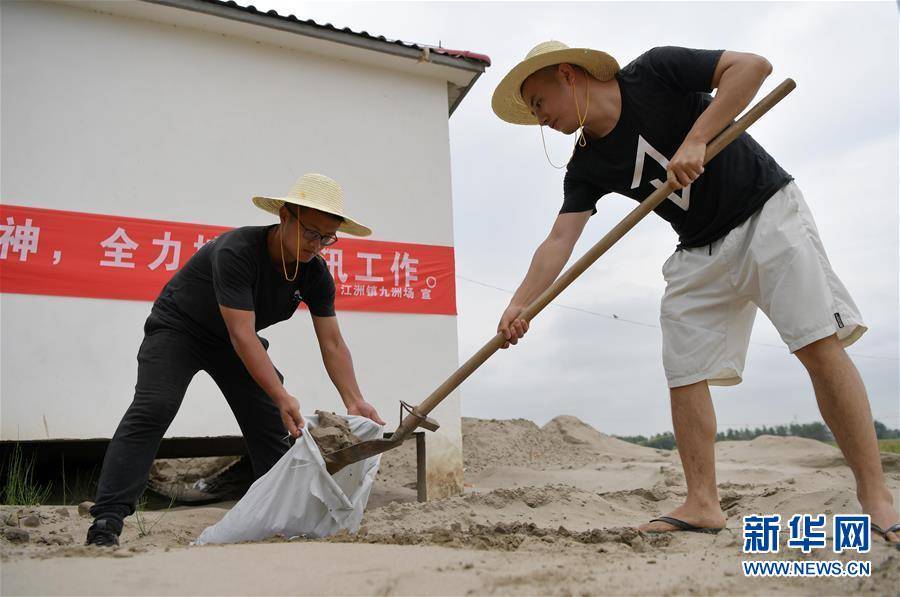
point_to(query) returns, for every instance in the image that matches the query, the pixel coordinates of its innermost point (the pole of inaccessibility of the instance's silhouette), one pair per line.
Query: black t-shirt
(663, 93)
(234, 270)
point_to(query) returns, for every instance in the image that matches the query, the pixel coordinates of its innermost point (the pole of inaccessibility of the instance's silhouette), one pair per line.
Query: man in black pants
(206, 318)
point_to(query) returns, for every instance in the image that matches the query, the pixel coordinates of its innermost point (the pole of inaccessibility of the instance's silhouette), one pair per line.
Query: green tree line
(817, 431)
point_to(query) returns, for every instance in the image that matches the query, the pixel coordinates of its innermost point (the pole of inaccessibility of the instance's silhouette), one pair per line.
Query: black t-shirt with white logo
(234, 270)
(663, 93)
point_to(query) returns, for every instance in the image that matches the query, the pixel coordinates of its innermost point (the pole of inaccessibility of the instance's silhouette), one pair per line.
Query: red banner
(63, 253)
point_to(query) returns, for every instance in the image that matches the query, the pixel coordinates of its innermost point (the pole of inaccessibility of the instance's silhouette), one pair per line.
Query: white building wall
(115, 115)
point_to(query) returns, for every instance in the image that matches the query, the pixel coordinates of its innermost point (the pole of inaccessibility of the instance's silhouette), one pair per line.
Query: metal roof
(462, 54)
(460, 59)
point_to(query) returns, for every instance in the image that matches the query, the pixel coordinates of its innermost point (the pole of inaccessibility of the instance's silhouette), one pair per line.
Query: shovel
(417, 416)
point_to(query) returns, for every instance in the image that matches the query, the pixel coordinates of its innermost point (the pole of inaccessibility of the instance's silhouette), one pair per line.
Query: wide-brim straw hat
(318, 192)
(508, 103)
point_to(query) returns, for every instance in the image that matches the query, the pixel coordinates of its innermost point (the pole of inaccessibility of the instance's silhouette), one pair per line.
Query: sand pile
(792, 451)
(577, 432)
(564, 441)
(777, 450)
(516, 442)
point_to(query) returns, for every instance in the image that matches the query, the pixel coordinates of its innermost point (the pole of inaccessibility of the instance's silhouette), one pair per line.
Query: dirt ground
(549, 510)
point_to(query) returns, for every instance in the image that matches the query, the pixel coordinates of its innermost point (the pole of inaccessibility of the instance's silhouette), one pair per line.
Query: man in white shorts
(746, 240)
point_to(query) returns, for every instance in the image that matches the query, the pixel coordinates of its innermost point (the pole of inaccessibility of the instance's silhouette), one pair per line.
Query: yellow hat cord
(581, 120)
(281, 244)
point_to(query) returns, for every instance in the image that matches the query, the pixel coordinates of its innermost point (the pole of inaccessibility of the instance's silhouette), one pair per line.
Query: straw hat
(318, 192)
(508, 103)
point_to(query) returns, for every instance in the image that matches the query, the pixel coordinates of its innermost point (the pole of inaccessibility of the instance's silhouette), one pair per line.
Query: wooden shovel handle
(562, 282)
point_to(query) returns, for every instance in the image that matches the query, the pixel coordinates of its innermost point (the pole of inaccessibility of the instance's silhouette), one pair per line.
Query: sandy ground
(547, 510)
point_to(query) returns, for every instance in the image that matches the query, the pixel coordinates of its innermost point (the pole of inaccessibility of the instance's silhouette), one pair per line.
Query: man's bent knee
(688, 390)
(821, 353)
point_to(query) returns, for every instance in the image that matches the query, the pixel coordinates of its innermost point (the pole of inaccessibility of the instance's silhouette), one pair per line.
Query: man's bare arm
(242, 332)
(339, 364)
(549, 259)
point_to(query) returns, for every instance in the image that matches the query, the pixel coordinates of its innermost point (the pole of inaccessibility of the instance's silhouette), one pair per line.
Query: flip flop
(683, 526)
(883, 533)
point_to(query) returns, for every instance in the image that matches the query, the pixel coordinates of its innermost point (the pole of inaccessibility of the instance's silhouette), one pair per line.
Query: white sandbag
(298, 496)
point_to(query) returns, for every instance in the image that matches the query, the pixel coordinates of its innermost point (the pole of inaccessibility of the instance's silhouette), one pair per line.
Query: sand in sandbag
(332, 433)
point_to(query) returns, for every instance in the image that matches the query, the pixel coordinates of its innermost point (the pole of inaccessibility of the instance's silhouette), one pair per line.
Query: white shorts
(774, 261)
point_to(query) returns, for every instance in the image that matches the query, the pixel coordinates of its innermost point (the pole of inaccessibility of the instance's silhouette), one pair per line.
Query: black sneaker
(103, 533)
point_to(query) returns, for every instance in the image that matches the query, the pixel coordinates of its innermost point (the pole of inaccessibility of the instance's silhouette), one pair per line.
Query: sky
(595, 353)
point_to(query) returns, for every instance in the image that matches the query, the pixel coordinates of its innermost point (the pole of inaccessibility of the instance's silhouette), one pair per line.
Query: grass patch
(889, 445)
(884, 445)
(21, 489)
(144, 529)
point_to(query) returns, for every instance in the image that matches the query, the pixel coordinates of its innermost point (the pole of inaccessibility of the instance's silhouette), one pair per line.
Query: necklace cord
(281, 245)
(581, 141)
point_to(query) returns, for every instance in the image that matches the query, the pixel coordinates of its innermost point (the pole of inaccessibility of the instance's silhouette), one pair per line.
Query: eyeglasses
(325, 240)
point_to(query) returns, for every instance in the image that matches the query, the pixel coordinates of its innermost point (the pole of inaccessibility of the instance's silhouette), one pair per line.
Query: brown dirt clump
(332, 433)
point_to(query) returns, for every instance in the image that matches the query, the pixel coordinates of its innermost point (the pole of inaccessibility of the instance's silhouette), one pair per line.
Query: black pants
(167, 361)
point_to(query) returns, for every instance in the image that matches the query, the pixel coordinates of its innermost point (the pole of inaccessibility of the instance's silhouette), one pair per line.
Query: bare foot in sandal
(700, 518)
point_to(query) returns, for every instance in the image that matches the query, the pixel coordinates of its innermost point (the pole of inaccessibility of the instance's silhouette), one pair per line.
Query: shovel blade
(338, 459)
